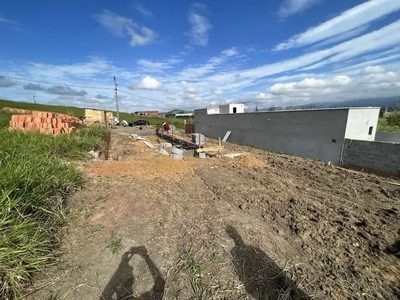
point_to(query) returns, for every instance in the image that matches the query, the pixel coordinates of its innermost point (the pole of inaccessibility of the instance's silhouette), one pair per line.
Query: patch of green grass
(5, 118)
(196, 276)
(384, 126)
(36, 178)
(96, 228)
(73, 111)
(115, 246)
(216, 259)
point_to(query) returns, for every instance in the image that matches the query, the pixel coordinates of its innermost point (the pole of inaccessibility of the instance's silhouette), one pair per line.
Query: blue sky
(182, 54)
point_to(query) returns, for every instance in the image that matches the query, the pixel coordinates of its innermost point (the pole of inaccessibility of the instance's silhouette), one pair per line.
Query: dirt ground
(260, 226)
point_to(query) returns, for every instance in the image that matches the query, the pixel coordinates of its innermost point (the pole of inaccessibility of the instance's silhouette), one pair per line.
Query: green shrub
(393, 119)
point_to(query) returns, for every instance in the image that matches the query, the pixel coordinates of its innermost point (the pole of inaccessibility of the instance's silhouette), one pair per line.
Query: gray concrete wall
(308, 133)
(359, 121)
(387, 136)
(380, 156)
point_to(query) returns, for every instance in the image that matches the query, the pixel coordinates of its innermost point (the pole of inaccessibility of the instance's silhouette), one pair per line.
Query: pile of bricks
(44, 122)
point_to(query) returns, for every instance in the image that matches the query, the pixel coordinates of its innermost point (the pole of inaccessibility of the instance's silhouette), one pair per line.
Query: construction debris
(146, 142)
(233, 155)
(163, 152)
(210, 149)
(228, 133)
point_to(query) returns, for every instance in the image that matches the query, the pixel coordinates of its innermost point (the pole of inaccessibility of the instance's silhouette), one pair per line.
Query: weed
(96, 228)
(196, 274)
(115, 246)
(216, 259)
(54, 296)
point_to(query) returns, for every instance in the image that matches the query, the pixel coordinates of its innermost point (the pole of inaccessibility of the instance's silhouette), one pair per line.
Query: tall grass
(35, 179)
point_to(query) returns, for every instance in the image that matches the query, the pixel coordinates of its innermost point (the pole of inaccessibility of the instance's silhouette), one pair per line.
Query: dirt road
(265, 226)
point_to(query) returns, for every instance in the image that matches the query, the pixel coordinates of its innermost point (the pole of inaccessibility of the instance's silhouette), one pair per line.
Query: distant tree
(393, 119)
(256, 109)
(382, 112)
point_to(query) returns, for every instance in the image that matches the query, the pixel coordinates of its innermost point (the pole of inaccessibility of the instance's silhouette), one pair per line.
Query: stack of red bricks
(44, 122)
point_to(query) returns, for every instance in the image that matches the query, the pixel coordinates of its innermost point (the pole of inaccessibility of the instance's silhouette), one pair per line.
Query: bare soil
(260, 226)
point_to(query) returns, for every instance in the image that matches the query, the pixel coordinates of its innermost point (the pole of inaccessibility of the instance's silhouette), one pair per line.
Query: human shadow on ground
(121, 283)
(262, 278)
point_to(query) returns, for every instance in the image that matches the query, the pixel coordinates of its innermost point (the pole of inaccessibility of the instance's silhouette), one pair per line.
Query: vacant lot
(260, 226)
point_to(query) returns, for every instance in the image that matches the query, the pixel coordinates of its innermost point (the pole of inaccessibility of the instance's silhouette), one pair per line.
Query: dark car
(139, 123)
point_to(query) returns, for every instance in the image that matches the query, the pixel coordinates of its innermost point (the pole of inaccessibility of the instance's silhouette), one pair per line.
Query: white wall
(228, 108)
(359, 121)
(212, 111)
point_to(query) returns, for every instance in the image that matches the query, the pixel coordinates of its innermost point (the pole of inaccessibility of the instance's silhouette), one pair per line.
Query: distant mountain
(378, 102)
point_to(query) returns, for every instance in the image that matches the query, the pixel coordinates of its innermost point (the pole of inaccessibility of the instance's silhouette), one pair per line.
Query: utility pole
(116, 95)
(34, 99)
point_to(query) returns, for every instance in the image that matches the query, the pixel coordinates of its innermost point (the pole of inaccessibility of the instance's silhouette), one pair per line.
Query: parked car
(139, 123)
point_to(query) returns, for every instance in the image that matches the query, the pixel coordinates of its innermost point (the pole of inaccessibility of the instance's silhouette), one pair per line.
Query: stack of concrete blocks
(176, 153)
(44, 122)
(198, 139)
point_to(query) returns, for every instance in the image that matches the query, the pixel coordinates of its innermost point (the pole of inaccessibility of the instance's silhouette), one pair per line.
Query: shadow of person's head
(234, 235)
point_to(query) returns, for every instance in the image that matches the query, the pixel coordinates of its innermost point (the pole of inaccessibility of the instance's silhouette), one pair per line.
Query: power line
(143, 97)
(54, 83)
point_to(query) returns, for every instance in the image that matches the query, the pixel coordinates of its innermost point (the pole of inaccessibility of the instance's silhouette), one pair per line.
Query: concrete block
(177, 151)
(163, 152)
(176, 156)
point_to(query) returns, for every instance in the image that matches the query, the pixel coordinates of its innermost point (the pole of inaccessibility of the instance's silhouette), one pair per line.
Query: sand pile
(248, 161)
(148, 169)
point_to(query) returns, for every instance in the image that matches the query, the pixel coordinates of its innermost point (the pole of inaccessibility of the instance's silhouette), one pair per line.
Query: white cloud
(158, 66)
(351, 19)
(380, 39)
(8, 21)
(148, 83)
(343, 37)
(374, 70)
(121, 26)
(230, 52)
(292, 7)
(190, 93)
(143, 10)
(218, 91)
(338, 88)
(199, 25)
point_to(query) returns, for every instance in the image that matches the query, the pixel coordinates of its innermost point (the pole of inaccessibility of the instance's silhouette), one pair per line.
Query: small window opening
(371, 128)
(234, 110)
